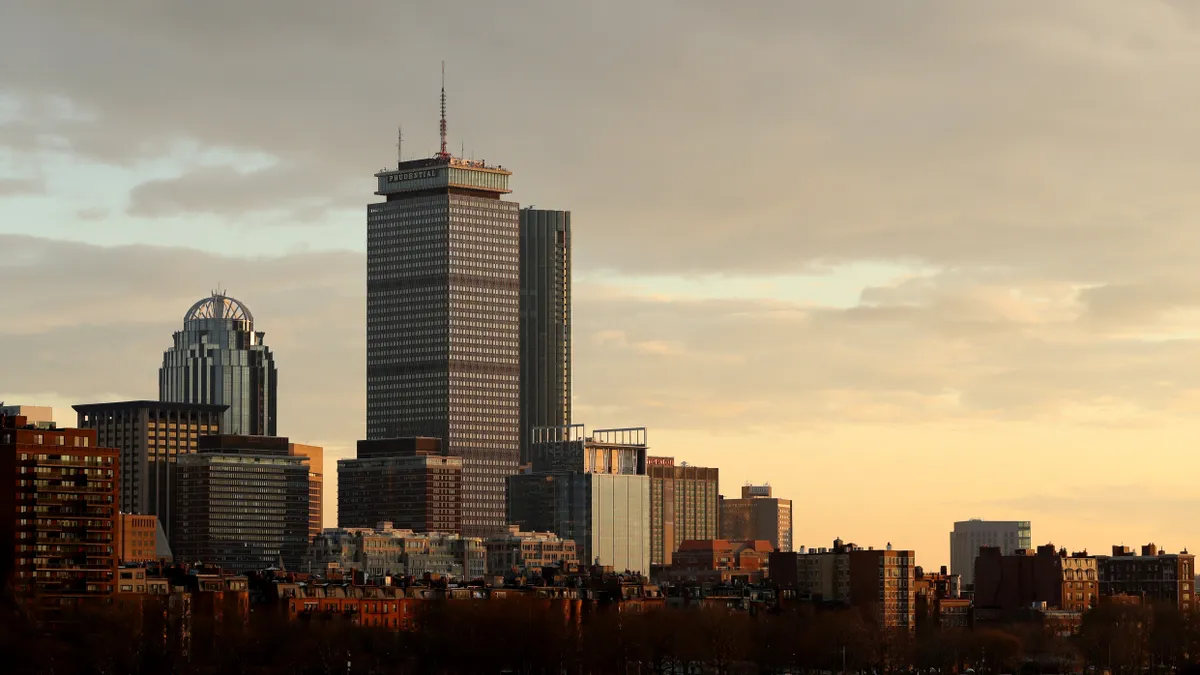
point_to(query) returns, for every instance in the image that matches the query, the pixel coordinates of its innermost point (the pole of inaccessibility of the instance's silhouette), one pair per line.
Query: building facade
(721, 560)
(1008, 583)
(387, 551)
(683, 506)
(242, 504)
(58, 514)
(969, 536)
(545, 335)
(521, 552)
(220, 359)
(151, 436)
(139, 538)
(590, 489)
(315, 455)
(36, 415)
(758, 515)
(443, 350)
(404, 481)
(1154, 577)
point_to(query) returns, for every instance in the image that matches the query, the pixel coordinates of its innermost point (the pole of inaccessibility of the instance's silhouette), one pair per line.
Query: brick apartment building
(58, 518)
(1030, 578)
(1154, 577)
(408, 482)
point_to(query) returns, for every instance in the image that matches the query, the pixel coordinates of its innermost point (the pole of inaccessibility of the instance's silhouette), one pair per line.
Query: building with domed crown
(218, 358)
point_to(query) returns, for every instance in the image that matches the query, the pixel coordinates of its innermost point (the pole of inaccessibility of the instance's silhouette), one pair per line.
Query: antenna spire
(399, 146)
(443, 152)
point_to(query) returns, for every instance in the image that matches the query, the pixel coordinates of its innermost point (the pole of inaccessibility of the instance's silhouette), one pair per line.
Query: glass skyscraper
(442, 321)
(545, 322)
(219, 358)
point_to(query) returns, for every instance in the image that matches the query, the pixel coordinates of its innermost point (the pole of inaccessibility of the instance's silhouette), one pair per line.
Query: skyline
(940, 235)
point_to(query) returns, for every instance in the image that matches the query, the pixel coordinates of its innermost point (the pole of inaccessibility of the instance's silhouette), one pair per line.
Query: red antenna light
(443, 154)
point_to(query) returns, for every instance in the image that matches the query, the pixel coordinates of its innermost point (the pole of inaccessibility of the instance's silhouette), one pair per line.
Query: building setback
(315, 455)
(58, 515)
(590, 489)
(405, 481)
(443, 351)
(969, 536)
(242, 504)
(218, 358)
(683, 506)
(545, 322)
(151, 436)
(758, 515)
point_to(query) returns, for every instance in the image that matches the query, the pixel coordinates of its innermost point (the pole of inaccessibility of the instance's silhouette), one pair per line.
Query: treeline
(529, 637)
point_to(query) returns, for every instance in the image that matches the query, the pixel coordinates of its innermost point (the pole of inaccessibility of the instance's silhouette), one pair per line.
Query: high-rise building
(545, 322)
(218, 358)
(405, 481)
(683, 506)
(58, 513)
(242, 504)
(592, 489)
(315, 455)
(151, 436)
(758, 515)
(969, 536)
(443, 350)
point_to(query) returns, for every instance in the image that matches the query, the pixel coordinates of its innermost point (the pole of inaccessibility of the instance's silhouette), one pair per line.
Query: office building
(404, 481)
(969, 536)
(58, 513)
(385, 550)
(592, 489)
(683, 506)
(40, 416)
(220, 359)
(142, 539)
(545, 334)
(758, 515)
(527, 552)
(151, 436)
(877, 582)
(242, 504)
(443, 349)
(1154, 578)
(1047, 577)
(315, 455)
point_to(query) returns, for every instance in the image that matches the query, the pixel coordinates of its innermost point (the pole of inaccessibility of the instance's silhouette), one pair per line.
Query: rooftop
(219, 306)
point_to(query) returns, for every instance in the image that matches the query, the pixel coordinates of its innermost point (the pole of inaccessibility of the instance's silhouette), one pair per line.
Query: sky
(909, 263)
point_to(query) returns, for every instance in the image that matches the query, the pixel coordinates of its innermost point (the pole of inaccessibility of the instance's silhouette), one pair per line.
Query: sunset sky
(910, 262)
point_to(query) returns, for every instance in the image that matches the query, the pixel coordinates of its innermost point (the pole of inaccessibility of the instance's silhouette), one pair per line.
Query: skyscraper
(545, 322)
(683, 506)
(442, 320)
(219, 358)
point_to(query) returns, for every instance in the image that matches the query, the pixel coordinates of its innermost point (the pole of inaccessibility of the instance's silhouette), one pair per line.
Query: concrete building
(969, 536)
(1154, 577)
(443, 345)
(545, 336)
(683, 506)
(316, 469)
(58, 513)
(40, 416)
(151, 436)
(242, 504)
(1007, 583)
(405, 481)
(220, 359)
(386, 551)
(758, 515)
(592, 489)
(877, 582)
(521, 552)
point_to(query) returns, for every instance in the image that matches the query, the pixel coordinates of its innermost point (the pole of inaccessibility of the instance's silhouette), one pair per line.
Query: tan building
(151, 436)
(683, 506)
(139, 538)
(758, 516)
(316, 487)
(38, 415)
(519, 551)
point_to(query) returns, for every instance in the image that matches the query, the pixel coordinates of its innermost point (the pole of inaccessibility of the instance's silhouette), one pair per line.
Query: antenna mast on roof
(399, 146)
(443, 154)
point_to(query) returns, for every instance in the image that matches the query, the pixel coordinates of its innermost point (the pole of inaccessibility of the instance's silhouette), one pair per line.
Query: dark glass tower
(218, 358)
(545, 322)
(442, 321)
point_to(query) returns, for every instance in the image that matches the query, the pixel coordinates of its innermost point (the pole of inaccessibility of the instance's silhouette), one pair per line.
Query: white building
(969, 535)
(386, 551)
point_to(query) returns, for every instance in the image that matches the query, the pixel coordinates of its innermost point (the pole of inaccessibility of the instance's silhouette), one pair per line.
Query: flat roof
(154, 405)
